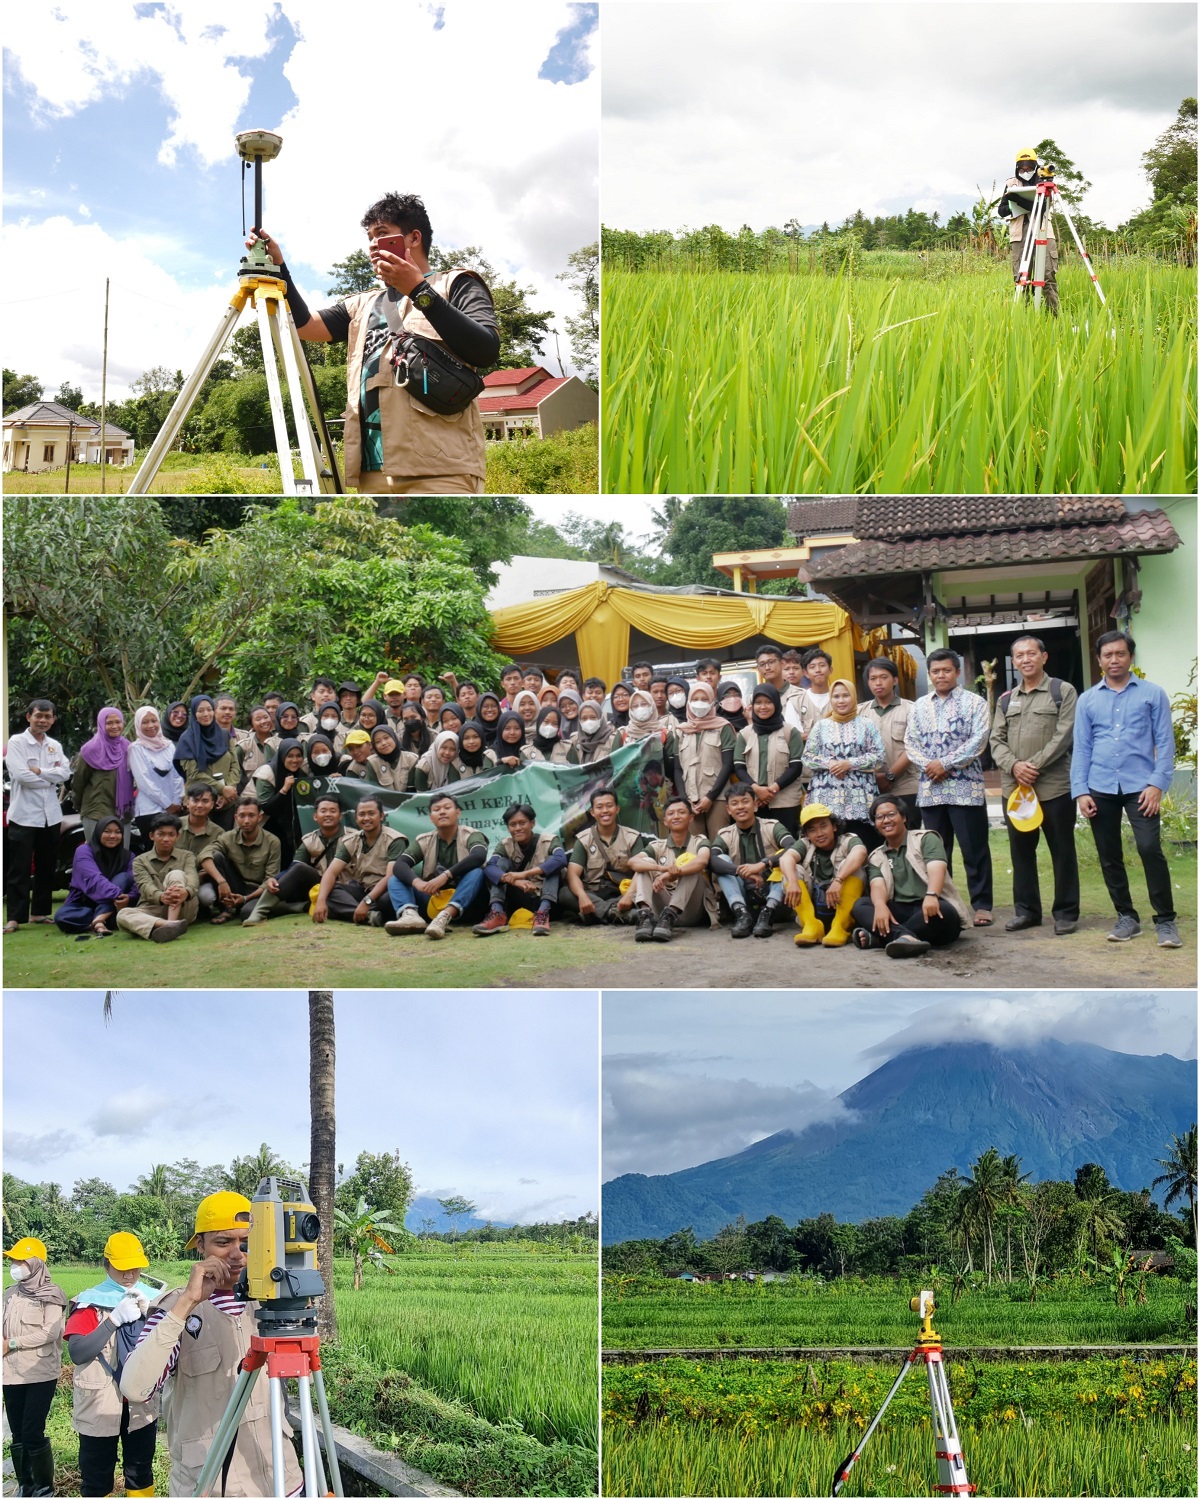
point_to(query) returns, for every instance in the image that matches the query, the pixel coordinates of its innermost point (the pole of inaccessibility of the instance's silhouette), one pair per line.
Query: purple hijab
(105, 753)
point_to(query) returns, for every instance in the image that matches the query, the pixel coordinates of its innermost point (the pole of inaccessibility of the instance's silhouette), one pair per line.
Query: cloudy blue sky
(689, 1078)
(489, 1094)
(119, 156)
(753, 113)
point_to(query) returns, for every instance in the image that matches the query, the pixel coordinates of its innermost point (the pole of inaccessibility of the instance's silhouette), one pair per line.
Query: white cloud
(131, 1113)
(660, 1114)
(39, 1150)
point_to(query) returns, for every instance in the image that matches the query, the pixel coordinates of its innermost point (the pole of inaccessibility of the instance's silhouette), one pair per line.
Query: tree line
(991, 1221)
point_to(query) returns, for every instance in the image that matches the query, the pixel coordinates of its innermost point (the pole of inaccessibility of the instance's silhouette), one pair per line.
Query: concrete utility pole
(104, 388)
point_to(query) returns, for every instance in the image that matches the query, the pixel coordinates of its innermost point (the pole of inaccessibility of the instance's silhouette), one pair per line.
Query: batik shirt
(954, 730)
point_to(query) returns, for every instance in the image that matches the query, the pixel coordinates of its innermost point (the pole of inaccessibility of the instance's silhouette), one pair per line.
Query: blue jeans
(401, 894)
(733, 888)
(78, 912)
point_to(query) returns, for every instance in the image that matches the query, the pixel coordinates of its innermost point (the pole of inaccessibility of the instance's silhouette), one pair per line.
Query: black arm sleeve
(794, 769)
(474, 859)
(720, 862)
(299, 308)
(403, 865)
(677, 777)
(467, 322)
(743, 775)
(84, 1347)
(718, 786)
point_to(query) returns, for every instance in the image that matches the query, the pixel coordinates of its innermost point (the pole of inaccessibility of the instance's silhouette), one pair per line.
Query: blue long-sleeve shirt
(1124, 741)
(88, 881)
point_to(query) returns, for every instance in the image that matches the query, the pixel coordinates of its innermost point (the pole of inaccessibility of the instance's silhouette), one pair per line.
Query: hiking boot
(1125, 928)
(645, 926)
(438, 928)
(167, 932)
(765, 924)
(541, 924)
(495, 921)
(664, 928)
(743, 922)
(1168, 935)
(409, 920)
(906, 946)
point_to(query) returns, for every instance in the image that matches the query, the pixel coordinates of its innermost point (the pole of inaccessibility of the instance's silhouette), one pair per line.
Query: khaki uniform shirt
(150, 873)
(96, 1401)
(891, 724)
(1038, 730)
(368, 864)
(197, 843)
(34, 1330)
(254, 862)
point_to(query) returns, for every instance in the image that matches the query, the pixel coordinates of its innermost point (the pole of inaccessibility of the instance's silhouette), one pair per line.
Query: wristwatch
(422, 295)
(369, 902)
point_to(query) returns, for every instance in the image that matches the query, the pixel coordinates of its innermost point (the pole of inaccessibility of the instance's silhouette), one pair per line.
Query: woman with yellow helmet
(102, 1330)
(33, 1329)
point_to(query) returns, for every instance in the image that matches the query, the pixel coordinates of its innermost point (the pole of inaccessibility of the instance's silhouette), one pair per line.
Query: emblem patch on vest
(193, 1325)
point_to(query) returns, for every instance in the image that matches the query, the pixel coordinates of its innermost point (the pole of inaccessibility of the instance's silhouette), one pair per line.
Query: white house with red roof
(534, 403)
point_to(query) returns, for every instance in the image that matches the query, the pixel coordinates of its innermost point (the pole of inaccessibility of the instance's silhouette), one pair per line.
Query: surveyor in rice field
(34, 1310)
(1015, 207)
(770, 758)
(745, 860)
(523, 873)
(291, 891)
(911, 903)
(823, 877)
(355, 881)
(446, 861)
(670, 884)
(191, 1349)
(103, 1326)
(599, 880)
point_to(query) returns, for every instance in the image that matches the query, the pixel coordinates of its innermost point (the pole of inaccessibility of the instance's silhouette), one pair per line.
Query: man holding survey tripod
(413, 425)
(1016, 206)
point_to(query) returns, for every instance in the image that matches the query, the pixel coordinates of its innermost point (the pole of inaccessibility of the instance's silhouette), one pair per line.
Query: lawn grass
(343, 956)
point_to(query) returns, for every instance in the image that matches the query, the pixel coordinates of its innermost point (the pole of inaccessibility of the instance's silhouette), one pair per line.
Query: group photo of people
(764, 798)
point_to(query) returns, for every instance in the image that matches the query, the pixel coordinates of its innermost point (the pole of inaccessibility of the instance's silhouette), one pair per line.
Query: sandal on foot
(222, 916)
(982, 919)
(863, 937)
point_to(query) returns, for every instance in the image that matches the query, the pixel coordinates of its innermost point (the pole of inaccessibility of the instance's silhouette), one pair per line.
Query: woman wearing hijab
(729, 704)
(510, 741)
(103, 1326)
(439, 766)
(843, 753)
(388, 766)
(275, 788)
(526, 704)
(547, 695)
(176, 720)
(702, 750)
(644, 720)
(619, 705)
(258, 747)
(152, 766)
(287, 721)
(102, 786)
(322, 757)
(770, 757)
(677, 698)
(34, 1311)
(417, 737)
(371, 715)
(102, 882)
(206, 753)
(452, 717)
(473, 754)
(569, 702)
(488, 712)
(329, 723)
(596, 734)
(548, 743)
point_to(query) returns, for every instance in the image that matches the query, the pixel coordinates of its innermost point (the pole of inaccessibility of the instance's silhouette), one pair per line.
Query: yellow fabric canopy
(600, 616)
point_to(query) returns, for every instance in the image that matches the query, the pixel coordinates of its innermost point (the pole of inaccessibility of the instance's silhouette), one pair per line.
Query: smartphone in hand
(393, 244)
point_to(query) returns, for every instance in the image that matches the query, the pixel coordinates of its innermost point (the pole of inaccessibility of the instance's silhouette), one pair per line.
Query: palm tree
(322, 1149)
(985, 1194)
(244, 1173)
(1012, 1198)
(156, 1183)
(1099, 1200)
(1180, 1176)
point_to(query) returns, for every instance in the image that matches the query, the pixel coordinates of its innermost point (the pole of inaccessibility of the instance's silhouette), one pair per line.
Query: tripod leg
(1025, 263)
(176, 417)
(952, 1471)
(331, 479)
(283, 444)
(1062, 208)
(335, 1472)
(278, 1469)
(842, 1472)
(226, 1430)
(308, 1438)
(305, 439)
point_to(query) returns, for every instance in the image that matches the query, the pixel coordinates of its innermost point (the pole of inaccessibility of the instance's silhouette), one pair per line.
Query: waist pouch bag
(427, 370)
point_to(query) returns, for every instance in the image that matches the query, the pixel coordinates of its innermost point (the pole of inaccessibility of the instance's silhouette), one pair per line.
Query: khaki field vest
(665, 852)
(26, 1320)
(416, 441)
(599, 862)
(369, 865)
(730, 839)
(839, 854)
(428, 844)
(96, 1404)
(541, 851)
(393, 778)
(916, 859)
(779, 758)
(560, 753)
(699, 760)
(593, 746)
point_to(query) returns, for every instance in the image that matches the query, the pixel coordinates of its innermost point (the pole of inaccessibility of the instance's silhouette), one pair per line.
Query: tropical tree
(362, 1233)
(1099, 1201)
(1180, 1177)
(156, 1183)
(455, 1208)
(1012, 1198)
(985, 1194)
(322, 1149)
(244, 1173)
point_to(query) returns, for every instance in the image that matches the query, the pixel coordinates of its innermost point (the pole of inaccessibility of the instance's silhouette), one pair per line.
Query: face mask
(321, 760)
(676, 700)
(589, 726)
(1025, 176)
(18, 1273)
(547, 733)
(731, 705)
(329, 725)
(641, 714)
(701, 707)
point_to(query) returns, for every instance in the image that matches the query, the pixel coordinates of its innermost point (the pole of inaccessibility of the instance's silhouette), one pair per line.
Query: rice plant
(762, 383)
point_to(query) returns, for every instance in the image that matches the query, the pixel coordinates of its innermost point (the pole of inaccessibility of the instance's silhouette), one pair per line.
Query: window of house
(48, 453)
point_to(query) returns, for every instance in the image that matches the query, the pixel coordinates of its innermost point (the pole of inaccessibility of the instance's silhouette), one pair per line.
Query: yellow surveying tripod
(260, 285)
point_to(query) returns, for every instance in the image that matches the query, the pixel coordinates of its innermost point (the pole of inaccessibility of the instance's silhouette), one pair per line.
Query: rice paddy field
(879, 382)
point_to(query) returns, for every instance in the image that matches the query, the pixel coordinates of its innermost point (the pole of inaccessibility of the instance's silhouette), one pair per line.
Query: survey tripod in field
(1031, 271)
(281, 1275)
(952, 1470)
(261, 287)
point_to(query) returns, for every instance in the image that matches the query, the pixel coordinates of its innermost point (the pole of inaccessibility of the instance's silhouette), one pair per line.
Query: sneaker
(906, 946)
(440, 925)
(743, 922)
(495, 921)
(645, 926)
(167, 932)
(1124, 929)
(1168, 935)
(409, 920)
(541, 924)
(765, 925)
(664, 928)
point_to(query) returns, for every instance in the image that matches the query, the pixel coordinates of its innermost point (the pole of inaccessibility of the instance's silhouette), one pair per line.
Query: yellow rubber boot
(843, 923)
(811, 931)
(150, 1491)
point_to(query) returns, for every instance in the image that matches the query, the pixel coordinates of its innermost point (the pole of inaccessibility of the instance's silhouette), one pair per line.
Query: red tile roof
(515, 377)
(912, 516)
(527, 400)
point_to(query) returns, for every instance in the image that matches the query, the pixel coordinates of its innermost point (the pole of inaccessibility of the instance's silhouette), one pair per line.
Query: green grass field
(763, 383)
(656, 1313)
(1086, 1427)
(477, 1365)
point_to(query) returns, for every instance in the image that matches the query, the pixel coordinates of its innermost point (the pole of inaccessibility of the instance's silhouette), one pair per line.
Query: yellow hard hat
(1024, 810)
(392, 685)
(440, 900)
(23, 1249)
(219, 1211)
(522, 917)
(685, 858)
(1027, 154)
(813, 810)
(123, 1251)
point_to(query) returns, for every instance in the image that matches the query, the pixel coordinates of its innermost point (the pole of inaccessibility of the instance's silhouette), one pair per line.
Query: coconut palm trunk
(322, 1166)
